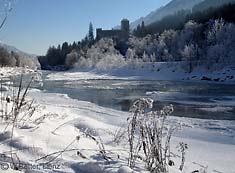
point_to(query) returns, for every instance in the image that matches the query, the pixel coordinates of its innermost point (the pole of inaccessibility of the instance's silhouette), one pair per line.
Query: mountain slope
(25, 59)
(211, 3)
(10, 48)
(170, 8)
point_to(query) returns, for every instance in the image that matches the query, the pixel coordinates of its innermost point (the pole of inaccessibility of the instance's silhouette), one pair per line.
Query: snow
(60, 122)
(79, 76)
(73, 117)
(151, 71)
(7, 72)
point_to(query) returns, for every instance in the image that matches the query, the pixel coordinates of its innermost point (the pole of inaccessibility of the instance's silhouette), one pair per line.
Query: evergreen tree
(140, 30)
(90, 35)
(143, 29)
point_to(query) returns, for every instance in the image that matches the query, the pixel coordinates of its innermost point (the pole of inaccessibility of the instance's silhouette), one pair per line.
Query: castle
(117, 34)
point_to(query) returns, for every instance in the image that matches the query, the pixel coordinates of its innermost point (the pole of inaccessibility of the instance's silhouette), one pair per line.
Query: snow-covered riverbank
(152, 71)
(60, 120)
(60, 124)
(6, 72)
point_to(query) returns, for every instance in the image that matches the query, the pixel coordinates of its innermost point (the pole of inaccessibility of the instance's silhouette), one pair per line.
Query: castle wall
(122, 34)
(116, 34)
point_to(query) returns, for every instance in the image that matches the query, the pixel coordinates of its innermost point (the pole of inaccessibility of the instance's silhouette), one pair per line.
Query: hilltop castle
(119, 34)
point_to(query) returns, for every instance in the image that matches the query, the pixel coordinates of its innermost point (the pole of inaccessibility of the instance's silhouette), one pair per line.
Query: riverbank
(152, 71)
(7, 72)
(59, 124)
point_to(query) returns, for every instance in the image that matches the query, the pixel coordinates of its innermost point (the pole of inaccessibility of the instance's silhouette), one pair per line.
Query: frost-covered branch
(7, 6)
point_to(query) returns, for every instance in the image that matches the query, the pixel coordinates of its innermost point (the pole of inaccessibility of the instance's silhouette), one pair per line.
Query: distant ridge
(170, 8)
(10, 48)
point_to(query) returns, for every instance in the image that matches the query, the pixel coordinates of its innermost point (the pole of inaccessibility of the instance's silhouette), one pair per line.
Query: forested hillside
(201, 38)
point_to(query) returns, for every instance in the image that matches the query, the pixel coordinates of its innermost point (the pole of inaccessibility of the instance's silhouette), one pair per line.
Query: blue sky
(34, 25)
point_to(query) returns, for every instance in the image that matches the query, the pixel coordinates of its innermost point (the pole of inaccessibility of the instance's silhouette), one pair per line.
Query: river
(190, 99)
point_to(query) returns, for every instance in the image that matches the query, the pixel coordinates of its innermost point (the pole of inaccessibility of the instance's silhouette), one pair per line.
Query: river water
(195, 100)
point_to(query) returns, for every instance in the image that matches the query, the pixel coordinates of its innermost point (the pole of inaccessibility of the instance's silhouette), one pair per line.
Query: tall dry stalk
(149, 136)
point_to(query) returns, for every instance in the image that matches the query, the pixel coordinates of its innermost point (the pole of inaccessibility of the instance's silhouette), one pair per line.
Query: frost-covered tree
(138, 45)
(165, 45)
(153, 57)
(131, 59)
(146, 57)
(221, 43)
(102, 55)
(215, 31)
(230, 43)
(145, 47)
(130, 54)
(102, 47)
(191, 34)
(71, 59)
(189, 54)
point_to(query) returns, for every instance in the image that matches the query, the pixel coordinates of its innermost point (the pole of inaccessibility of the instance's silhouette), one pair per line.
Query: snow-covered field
(59, 126)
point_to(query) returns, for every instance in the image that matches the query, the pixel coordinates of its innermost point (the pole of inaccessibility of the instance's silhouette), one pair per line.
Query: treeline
(13, 59)
(177, 20)
(198, 38)
(210, 45)
(206, 4)
(55, 57)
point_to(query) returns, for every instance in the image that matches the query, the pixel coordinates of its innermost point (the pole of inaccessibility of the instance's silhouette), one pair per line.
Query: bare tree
(6, 8)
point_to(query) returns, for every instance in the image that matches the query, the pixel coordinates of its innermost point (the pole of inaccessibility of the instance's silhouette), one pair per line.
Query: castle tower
(125, 26)
(98, 33)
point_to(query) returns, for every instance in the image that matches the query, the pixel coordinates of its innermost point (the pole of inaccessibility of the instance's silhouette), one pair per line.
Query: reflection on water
(208, 101)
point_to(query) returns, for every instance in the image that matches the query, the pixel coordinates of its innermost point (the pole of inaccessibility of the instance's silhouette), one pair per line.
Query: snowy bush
(102, 56)
(149, 136)
(28, 62)
(84, 63)
(130, 54)
(141, 47)
(71, 59)
(132, 59)
(110, 61)
(16, 108)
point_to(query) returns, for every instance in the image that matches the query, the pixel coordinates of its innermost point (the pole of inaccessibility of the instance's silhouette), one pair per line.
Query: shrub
(149, 136)
(71, 59)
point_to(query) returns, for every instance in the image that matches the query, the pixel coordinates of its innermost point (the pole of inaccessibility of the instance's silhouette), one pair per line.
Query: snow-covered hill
(26, 59)
(10, 48)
